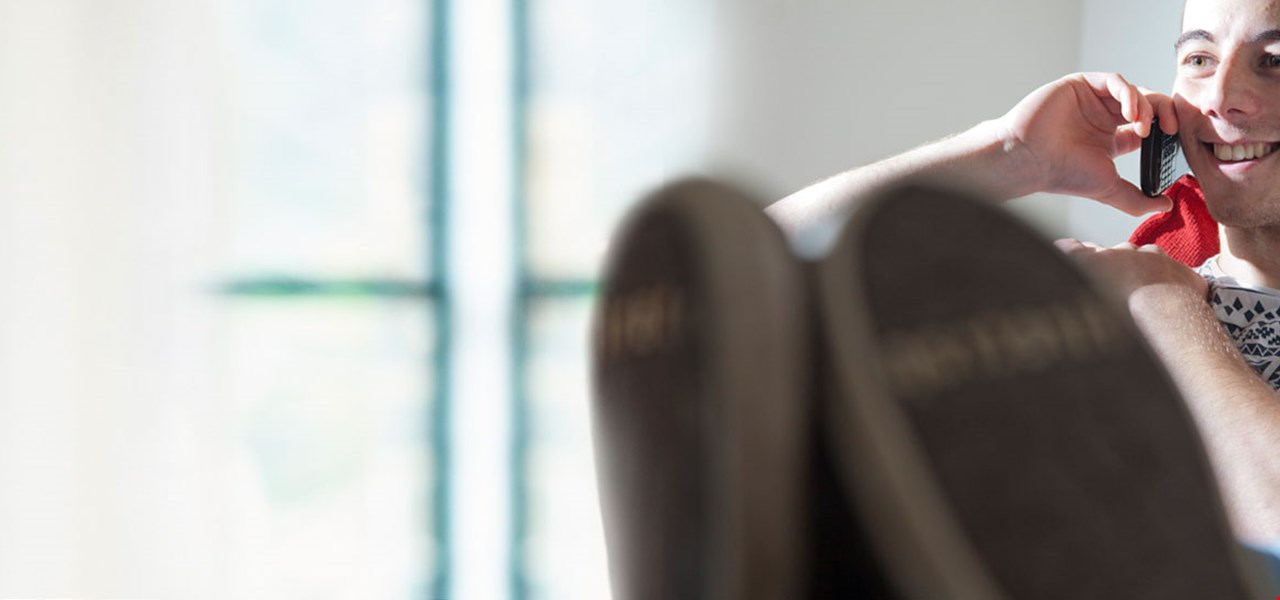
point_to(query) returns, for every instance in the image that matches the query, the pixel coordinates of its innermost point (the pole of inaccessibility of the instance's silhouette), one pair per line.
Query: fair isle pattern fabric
(1251, 316)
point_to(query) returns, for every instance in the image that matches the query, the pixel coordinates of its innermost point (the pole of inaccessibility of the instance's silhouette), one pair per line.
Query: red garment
(1186, 232)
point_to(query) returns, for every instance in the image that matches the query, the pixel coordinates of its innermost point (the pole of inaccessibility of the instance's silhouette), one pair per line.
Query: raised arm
(1061, 138)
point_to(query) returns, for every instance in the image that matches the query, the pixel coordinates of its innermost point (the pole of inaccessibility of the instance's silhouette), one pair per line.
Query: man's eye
(1271, 61)
(1196, 60)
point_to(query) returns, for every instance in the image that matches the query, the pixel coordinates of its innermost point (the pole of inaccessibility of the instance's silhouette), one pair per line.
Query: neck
(1252, 256)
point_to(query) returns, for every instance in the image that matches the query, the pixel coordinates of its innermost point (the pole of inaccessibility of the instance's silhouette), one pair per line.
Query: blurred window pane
(563, 550)
(617, 104)
(331, 465)
(327, 141)
(328, 135)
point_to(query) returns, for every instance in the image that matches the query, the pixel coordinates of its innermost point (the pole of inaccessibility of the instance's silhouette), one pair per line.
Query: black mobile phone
(1159, 160)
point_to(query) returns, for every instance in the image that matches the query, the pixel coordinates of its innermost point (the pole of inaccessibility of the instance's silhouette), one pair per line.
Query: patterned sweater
(1251, 316)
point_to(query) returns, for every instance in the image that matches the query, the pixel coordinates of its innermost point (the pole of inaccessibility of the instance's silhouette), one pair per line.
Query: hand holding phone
(1159, 160)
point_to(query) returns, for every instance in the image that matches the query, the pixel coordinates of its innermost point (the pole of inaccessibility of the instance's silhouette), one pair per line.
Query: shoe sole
(700, 392)
(1002, 427)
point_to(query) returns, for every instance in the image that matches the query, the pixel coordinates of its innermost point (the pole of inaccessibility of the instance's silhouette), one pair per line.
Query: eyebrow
(1194, 34)
(1270, 35)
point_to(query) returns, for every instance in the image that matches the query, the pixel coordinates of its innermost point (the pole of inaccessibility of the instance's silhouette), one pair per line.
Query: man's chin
(1237, 212)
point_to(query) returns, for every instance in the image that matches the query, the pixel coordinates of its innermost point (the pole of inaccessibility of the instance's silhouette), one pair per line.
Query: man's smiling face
(1227, 92)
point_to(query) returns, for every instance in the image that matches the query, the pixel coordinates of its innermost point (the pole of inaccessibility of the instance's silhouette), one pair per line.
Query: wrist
(1003, 164)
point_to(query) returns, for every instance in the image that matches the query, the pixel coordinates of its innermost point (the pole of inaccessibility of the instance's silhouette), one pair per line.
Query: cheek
(1184, 103)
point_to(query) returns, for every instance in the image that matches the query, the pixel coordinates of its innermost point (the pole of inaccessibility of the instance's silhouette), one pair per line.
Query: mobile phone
(1159, 160)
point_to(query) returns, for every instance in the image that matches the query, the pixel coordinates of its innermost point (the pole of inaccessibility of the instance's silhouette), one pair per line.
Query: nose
(1231, 93)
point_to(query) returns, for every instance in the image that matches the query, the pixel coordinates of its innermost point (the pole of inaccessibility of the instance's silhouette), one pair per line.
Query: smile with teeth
(1235, 152)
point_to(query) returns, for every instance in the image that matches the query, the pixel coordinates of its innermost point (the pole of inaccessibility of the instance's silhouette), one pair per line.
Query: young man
(1063, 138)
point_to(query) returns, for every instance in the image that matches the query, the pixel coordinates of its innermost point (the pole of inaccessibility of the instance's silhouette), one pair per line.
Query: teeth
(1242, 151)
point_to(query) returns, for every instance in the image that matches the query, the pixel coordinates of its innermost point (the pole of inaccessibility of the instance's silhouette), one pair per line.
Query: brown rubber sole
(700, 376)
(1000, 425)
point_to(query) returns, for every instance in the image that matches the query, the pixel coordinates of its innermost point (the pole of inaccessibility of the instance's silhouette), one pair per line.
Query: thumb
(1128, 198)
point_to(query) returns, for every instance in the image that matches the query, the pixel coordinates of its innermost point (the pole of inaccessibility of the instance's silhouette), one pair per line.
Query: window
(615, 103)
(331, 312)
(300, 288)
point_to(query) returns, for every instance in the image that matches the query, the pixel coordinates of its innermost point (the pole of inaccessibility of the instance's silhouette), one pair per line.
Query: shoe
(701, 400)
(999, 425)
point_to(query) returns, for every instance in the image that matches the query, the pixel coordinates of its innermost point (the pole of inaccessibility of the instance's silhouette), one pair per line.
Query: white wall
(812, 88)
(104, 190)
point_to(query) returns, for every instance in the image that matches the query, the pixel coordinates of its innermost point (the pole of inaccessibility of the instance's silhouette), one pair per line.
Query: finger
(1135, 107)
(1109, 86)
(1115, 112)
(1124, 246)
(1071, 246)
(1168, 116)
(1101, 85)
(1128, 198)
(1127, 139)
(1126, 93)
(1163, 108)
(1152, 249)
(1093, 245)
(1145, 113)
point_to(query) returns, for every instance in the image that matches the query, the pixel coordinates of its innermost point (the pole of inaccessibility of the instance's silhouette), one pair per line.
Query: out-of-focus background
(295, 292)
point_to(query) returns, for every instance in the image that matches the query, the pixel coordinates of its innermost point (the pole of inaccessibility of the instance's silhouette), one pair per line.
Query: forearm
(1237, 412)
(1060, 138)
(978, 159)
